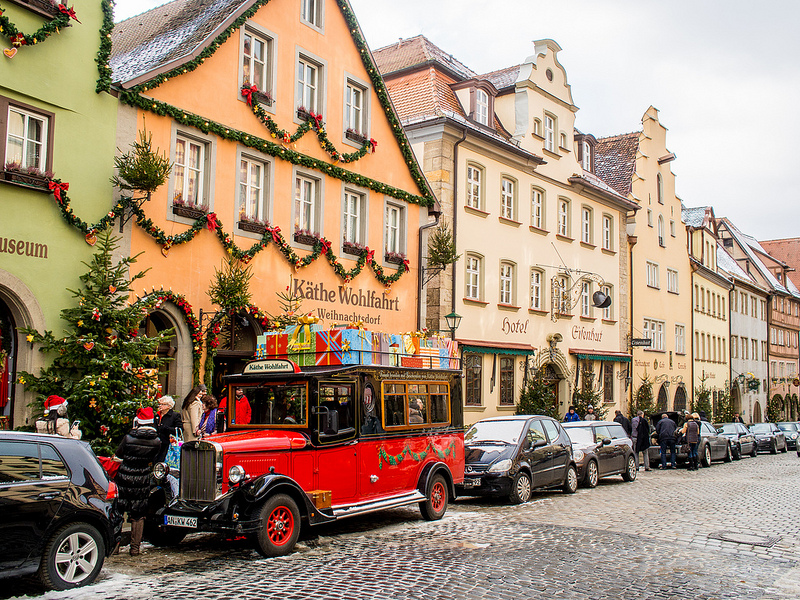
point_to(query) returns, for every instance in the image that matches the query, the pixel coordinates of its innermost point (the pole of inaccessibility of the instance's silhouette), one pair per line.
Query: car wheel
(592, 475)
(435, 504)
(707, 456)
(754, 451)
(630, 472)
(570, 485)
(162, 536)
(520, 488)
(280, 526)
(773, 449)
(737, 452)
(785, 447)
(728, 453)
(72, 557)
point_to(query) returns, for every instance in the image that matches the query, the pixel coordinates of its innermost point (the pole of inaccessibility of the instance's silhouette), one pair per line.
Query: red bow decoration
(18, 40)
(248, 92)
(326, 245)
(211, 221)
(373, 144)
(275, 231)
(68, 11)
(370, 254)
(57, 188)
(317, 119)
(405, 265)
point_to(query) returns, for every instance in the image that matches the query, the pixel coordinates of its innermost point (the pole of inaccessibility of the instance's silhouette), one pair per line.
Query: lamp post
(453, 321)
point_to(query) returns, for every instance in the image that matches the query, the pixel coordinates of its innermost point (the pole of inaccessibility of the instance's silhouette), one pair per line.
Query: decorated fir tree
(538, 398)
(587, 394)
(643, 399)
(101, 364)
(725, 409)
(289, 303)
(702, 398)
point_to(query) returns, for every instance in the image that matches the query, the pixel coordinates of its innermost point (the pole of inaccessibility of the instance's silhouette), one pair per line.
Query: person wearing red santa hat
(136, 452)
(55, 421)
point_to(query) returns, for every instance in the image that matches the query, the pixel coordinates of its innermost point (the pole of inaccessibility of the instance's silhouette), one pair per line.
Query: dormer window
(584, 146)
(482, 107)
(586, 158)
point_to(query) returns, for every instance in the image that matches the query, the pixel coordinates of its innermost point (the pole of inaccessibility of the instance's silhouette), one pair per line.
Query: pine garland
(104, 52)
(19, 39)
(395, 460)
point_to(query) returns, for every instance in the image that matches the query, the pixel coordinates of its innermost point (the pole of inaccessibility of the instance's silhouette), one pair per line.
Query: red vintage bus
(312, 445)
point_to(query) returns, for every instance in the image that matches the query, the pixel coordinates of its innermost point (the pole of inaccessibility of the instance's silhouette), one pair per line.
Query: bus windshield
(277, 404)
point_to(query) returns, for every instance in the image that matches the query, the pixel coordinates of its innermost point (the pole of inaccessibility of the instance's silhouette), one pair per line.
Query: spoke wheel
(520, 488)
(592, 475)
(280, 526)
(73, 557)
(436, 501)
(630, 472)
(571, 480)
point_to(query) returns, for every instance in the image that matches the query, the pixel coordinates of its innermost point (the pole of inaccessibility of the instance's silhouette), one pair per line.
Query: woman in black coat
(167, 421)
(136, 452)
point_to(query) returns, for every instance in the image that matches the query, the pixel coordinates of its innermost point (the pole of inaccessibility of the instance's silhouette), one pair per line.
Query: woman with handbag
(167, 421)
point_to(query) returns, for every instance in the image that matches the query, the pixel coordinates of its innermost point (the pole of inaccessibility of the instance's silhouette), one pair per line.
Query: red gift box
(411, 361)
(277, 344)
(329, 347)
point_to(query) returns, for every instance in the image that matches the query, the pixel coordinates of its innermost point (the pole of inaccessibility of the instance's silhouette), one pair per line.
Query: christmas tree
(102, 365)
(644, 398)
(588, 395)
(702, 398)
(538, 397)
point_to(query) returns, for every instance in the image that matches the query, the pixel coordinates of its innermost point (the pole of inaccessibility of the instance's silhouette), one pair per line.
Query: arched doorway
(663, 398)
(757, 413)
(736, 399)
(155, 323)
(8, 360)
(237, 345)
(680, 398)
(552, 380)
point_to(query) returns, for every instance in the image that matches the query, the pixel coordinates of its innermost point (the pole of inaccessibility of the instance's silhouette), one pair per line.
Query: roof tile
(615, 160)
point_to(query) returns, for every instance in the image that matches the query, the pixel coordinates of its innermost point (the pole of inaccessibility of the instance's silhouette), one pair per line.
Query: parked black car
(769, 437)
(713, 446)
(57, 514)
(742, 440)
(601, 449)
(510, 456)
(791, 430)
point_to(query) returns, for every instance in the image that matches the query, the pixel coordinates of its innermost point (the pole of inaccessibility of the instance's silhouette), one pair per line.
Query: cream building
(638, 165)
(710, 322)
(538, 232)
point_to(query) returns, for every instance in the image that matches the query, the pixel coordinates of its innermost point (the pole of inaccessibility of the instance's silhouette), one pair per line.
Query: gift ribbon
(57, 188)
(275, 231)
(211, 221)
(70, 12)
(247, 93)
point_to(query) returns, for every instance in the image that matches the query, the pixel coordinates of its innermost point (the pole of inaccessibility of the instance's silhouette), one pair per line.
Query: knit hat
(55, 403)
(144, 416)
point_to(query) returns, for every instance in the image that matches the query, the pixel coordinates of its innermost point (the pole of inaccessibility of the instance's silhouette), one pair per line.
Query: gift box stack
(313, 344)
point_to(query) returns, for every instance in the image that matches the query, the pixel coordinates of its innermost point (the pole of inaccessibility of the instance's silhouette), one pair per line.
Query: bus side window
(394, 404)
(439, 403)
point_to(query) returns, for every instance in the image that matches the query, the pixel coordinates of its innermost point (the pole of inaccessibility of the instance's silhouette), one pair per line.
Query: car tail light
(113, 492)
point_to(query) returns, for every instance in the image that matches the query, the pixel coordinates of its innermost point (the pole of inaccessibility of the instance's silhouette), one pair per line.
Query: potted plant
(251, 224)
(187, 208)
(303, 113)
(394, 257)
(14, 172)
(353, 248)
(304, 236)
(355, 136)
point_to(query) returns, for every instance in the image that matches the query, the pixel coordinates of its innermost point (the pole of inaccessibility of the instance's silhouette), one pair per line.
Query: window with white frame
(586, 157)
(608, 311)
(537, 301)
(26, 139)
(745, 348)
(474, 186)
(660, 188)
(652, 275)
(586, 225)
(608, 232)
(394, 229)
(734, 346)
(481, 107)
(764, 351)
(654, 330)
(773, 336)
(780, 337)
(662, 241)
(474, 277)
(311, 12)
(753, 306)
(253, 189)
(353, 217)
(507, 283)
(257, 50)
(672, 227)
(537, 208)
(189, 170)
(680, 339)
(672, 281)
(308, 84)
(562, 285)
(354, 108)
(549, 133)
(562, 140)
(306, 205)
(754, 344)
(507, 199)
(649, 218)
(563, 217)
(537, 127)
(586, 294)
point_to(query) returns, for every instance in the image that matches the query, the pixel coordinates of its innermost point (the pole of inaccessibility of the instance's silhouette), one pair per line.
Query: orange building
(286, 155)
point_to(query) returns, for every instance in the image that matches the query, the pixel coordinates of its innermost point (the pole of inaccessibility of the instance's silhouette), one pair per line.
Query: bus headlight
(236, 474)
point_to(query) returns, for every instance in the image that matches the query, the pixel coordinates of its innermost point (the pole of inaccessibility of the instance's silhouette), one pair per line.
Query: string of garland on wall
(61, 19)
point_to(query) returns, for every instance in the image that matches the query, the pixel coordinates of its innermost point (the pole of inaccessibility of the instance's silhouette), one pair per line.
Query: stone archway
(553, 359)
(679, 403)
(757, 412)
(662, 402)
(736, 398)
(176, 379)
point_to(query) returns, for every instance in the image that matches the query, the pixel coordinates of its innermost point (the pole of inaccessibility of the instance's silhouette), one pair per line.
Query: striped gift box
(329, 347)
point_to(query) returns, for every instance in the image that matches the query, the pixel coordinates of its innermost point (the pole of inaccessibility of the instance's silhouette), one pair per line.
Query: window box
(303, 114)
(305, 237)
(263, 98)
(394, 257)
(29, 180)
(355, 136)
(189, 212)
(252, 227)
(351, 248)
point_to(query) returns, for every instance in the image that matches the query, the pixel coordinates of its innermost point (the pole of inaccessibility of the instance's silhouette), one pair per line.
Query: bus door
(334, 417)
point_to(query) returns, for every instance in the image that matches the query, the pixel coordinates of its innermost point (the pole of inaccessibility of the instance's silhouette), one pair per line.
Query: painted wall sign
(641, 342)
(582, 333)
(344, 296)
(514, 326)
(23, 248)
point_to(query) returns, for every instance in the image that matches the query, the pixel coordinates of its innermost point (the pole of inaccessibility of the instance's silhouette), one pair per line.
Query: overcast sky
(724, 75)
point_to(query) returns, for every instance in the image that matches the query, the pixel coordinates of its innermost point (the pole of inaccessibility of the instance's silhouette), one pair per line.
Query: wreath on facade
(18, 39)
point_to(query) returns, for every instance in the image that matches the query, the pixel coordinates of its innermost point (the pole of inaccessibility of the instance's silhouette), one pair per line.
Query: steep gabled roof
(502, 78)
(744, 242)
(728, 264)
(694, 217)
(417, 52)
(786, 250)
(615, 160)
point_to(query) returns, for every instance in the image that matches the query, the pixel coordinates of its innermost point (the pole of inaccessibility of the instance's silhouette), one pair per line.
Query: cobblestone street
(663, 536)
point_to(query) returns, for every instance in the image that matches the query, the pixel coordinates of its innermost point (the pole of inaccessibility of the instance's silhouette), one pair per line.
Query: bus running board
(368, 507)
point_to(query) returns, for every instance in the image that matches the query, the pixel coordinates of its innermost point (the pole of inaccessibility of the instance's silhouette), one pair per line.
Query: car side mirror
(606, 441)
(539, 444)
(526, 444)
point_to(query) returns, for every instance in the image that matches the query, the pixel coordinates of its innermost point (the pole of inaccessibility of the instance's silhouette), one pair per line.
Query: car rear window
(617, 432)
(53, 466)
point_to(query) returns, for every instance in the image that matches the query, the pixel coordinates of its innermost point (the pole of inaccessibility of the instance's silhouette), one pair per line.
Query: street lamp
(453, 321)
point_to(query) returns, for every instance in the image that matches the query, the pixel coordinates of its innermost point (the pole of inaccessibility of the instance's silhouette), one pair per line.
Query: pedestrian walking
(624, 421)
(136, 453)
(640, 435)
(167, 421)
(571, 415)
(665, 429)
(691, 429)
(192, 411)
(590, 416)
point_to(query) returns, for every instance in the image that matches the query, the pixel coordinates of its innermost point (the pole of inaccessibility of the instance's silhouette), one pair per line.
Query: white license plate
(176, 521)
(471, 483)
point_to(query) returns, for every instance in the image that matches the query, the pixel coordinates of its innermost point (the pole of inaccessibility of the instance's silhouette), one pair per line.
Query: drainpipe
(421, 271)
(455, 215)
(631, 243)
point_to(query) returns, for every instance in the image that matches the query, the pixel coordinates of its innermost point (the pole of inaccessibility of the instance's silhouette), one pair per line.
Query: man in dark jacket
(136, 452)
(623, 420)
(665, 429)
(167, 422)
(640, 435)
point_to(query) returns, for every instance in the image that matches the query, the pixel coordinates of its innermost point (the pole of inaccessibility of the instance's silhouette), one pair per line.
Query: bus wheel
(280, 526)
(435, 504)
